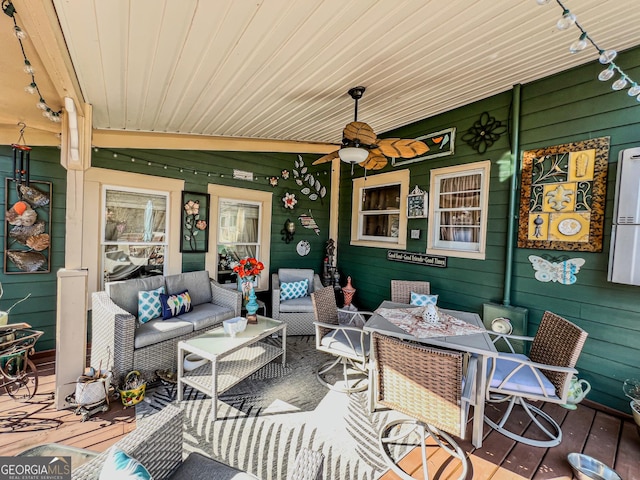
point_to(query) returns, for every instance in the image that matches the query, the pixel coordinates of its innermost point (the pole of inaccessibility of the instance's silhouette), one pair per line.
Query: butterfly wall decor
(563, 272)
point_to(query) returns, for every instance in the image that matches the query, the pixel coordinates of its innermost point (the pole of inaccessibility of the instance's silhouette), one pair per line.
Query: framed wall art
(440, 144)
(194, 228)
(563, 196)
(417, 203)
(28, 227)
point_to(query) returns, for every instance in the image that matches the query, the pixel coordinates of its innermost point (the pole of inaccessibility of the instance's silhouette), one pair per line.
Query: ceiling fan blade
(374, 162)
(327, 158)
(401, 147)
(360, 132)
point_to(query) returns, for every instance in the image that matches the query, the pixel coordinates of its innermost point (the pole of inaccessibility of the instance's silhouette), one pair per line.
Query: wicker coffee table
(230, 359)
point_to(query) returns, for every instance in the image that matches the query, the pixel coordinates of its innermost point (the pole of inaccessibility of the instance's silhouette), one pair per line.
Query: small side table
(79, 456)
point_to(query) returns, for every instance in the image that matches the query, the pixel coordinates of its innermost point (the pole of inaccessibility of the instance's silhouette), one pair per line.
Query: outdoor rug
(264, 420)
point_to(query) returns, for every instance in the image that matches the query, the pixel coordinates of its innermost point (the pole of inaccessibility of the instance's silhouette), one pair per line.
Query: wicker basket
(135, 395)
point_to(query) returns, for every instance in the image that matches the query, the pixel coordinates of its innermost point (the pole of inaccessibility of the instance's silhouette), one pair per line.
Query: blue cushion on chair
(524, 380)
(121, 466)
(289, 291)
(423, 299)
(149, 304)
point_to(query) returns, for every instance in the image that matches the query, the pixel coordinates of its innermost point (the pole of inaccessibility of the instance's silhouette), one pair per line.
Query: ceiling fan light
(353, 154)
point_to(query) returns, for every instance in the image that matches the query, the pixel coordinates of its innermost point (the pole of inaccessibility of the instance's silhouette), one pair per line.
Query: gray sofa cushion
(199, 467)
(197, 283)
(125, 293)
(297, 305)
(159, 330)
(288, 275)
(206, 315)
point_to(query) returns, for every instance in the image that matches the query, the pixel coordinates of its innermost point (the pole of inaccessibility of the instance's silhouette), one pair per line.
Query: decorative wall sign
(28, 227)
(417, 258)
(556, 270)
(563, 196)
(194, 228)
(484, 133)
(417, 203)
(440, 144)
(307, 221)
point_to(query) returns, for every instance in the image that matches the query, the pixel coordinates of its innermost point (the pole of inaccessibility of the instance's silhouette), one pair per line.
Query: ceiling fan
(361, 145)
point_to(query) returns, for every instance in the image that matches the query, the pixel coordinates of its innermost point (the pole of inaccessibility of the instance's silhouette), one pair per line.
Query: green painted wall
(220, 165)
(567, 107)
(40, 309)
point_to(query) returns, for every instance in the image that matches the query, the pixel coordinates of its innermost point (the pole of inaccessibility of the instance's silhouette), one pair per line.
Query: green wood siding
(567, 107)
(221, 165)
(40, 309)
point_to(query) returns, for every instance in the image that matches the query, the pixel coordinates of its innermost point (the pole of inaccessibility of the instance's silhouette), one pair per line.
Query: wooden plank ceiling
(280, 69)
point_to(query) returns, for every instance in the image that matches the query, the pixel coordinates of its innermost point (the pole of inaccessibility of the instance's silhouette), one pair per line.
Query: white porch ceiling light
(353, 155)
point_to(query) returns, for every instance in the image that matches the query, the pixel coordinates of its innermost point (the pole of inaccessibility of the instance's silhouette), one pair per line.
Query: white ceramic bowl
(234, 325)
(193, 361)
(588, 468)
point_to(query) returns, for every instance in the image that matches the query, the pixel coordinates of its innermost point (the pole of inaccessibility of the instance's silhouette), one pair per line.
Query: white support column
(334, 205)
(71, 331)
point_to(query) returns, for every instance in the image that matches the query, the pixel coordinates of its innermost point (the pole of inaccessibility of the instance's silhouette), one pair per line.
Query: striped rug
(264, 420)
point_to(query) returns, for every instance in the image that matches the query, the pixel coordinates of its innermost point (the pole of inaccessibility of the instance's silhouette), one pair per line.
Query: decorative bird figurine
(307, 221)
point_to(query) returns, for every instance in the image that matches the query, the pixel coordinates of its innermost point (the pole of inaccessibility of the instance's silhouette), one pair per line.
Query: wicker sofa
(122, 344)
(157, 443)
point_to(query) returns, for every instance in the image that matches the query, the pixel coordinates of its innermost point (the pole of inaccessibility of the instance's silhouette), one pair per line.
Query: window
(238, 235)
(134, 233)
(242, 220)
(458, 210)
(379, 210)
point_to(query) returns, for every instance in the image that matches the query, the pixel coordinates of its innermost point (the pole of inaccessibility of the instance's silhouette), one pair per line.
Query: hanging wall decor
(484, 133)
(563, 196)
(289, 200)
(440, 144)
(307, 221)
(28, 227)
(311, 186)
(561, 270)
(417, 203)
(194, 228)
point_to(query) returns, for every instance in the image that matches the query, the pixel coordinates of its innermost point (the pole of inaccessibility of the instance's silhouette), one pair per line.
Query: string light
(32, 88)
(606, 57)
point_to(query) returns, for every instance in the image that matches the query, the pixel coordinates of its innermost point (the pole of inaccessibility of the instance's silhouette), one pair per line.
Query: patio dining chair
(545, 375)
(426, 385)
(401, 290)
(348, 342)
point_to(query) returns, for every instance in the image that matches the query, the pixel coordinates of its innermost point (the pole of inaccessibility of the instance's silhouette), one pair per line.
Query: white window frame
(167, 225)
(476, 250)
(247, 196)
(401, 178)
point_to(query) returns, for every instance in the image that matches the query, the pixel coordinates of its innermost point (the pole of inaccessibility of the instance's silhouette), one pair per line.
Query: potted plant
(631, 389)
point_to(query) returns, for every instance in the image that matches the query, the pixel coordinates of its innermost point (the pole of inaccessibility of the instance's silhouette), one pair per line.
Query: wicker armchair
(350, 344)
(543, 376)
(425, 384)
(297, 312)
(401, 290)
(157, 444)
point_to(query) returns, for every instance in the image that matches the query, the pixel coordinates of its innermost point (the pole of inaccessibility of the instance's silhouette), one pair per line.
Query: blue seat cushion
(337, 341)
(206, 315)
(524, 380)
(159, 330)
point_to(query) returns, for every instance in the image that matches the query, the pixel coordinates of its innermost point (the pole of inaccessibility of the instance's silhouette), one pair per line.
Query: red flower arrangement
(248, 267)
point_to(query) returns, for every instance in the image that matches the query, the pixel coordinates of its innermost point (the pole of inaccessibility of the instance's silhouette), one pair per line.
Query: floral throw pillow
(149, 305)
(289, 291)
(422, 299)
(123, 467)
(176, 304)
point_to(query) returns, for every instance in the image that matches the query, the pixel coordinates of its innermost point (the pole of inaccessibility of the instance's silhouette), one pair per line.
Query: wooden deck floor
(605, 436)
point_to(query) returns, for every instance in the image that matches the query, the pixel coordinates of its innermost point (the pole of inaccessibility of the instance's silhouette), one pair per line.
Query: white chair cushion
(339, 344)
(524, 380)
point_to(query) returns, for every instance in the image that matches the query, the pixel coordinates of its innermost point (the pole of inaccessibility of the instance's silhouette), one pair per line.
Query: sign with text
(417, 258)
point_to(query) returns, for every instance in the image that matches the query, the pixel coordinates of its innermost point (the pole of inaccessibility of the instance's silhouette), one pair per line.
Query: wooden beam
(174, 141)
